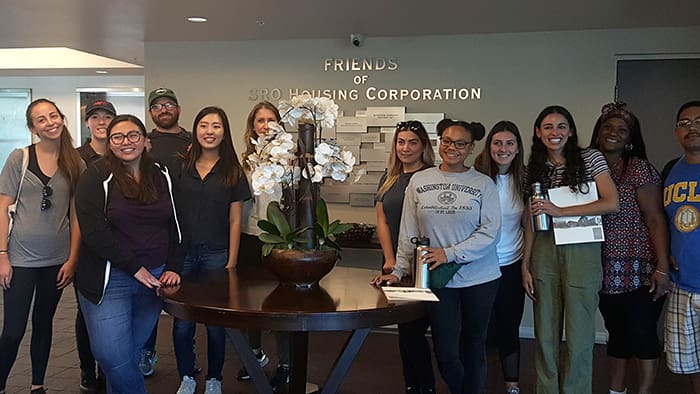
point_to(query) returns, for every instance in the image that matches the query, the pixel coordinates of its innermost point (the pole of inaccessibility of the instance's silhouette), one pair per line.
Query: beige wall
(519, 74)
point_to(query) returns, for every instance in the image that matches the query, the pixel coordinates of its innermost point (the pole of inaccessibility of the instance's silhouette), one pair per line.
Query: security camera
(357, 39)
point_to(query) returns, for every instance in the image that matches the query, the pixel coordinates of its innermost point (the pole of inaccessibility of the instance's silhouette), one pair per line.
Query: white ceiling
(119, 28)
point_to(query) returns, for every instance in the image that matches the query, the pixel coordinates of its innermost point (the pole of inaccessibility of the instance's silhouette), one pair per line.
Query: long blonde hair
(394, 166)
(250, 128)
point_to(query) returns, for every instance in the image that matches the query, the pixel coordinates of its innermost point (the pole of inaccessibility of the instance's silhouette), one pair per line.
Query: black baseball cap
(100, 104)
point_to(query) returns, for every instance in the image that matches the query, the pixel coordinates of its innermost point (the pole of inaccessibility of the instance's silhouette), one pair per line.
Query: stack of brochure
(408, 294)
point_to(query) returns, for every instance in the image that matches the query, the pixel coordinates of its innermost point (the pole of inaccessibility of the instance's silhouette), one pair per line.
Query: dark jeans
(459, 324)
(125, 317)
(82, 341)
(28, 283)
(200, 259)
(415, 355)
(504, 328)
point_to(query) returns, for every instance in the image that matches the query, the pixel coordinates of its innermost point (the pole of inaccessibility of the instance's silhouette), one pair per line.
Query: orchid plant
(299, 166)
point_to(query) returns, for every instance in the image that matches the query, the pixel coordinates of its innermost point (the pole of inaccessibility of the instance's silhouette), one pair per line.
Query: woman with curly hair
(563, 280)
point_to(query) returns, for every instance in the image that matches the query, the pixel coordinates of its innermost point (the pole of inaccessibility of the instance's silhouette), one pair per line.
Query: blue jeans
(459, 325)
(119, 326)
(200, 259)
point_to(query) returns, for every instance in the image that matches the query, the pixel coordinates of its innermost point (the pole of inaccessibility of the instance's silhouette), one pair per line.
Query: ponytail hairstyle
(475, 129)
(485, 164)
(228, 161)
(146, 190)
(250, 128)
(69, 161)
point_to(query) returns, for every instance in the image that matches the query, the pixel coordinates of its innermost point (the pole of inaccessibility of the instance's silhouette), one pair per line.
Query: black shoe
(88, 383)
(263, 360)
(281, 378)
(40, 390)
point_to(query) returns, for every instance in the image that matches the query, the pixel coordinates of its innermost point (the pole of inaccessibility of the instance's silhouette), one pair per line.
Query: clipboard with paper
(576, 229)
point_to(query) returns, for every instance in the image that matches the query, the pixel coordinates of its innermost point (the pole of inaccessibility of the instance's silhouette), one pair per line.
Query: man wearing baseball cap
(98, 116)
(168, 139)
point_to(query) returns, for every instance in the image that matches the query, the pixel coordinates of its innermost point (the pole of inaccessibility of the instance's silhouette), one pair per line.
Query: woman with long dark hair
(502, 161)
(212, 187)
(635, 251)
(38, 259)
(131, 246)
(410, 152)
(563, 280)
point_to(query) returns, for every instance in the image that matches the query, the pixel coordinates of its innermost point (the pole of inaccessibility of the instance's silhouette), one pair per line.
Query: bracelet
(661, 272)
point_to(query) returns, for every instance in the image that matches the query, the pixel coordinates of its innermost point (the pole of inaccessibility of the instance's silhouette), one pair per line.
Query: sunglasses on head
(412, 125)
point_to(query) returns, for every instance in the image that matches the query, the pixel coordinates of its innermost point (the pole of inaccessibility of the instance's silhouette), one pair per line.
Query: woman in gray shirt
(38, 260)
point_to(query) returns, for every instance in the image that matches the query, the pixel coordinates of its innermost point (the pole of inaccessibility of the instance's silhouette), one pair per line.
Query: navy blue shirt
(205, 205)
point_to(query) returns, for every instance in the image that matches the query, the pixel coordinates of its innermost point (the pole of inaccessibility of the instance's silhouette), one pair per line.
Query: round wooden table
(344, 300)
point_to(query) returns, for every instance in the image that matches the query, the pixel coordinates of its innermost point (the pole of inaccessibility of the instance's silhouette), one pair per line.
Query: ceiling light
(101, 71)
(197, 19)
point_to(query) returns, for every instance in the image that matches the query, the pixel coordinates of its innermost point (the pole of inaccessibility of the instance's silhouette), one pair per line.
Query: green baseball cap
(161, 92)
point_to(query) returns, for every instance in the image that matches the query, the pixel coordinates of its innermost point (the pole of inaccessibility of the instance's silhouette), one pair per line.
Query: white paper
(576, 229)
(409, 294)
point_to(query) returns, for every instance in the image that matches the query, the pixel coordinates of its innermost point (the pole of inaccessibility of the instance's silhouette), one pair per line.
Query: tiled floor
(376, 370)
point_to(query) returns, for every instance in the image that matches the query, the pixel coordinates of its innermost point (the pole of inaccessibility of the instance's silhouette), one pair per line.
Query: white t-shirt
(510, 245)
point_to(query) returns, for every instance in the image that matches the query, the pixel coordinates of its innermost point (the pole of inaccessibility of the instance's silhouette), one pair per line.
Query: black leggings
(28, 283)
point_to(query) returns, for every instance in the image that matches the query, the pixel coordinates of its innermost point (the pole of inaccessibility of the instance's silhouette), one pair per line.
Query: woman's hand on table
(386, 279)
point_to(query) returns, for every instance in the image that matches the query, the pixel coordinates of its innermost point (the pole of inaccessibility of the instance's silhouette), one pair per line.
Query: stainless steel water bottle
(541, 222)
(421, 272)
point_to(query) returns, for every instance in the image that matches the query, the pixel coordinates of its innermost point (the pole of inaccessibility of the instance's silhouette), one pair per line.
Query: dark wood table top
(344, 300)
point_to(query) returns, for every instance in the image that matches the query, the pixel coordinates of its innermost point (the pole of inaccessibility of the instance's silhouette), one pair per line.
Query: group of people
(124, 215)
(485, 255)
(130, 212)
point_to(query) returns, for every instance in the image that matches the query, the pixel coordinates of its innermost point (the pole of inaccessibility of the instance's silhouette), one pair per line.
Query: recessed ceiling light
(197, 19)
(101, 71)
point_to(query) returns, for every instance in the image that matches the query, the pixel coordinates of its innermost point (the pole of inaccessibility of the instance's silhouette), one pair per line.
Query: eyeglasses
(159, 107)
(132, 136)
(460, 144)
(412, 125)
(46, 192)
(687, 123)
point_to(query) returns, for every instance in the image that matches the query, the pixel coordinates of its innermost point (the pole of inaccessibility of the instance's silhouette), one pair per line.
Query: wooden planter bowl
(301, 268)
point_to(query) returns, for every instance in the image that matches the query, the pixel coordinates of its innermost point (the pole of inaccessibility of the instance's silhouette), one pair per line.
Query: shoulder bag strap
(25, 165)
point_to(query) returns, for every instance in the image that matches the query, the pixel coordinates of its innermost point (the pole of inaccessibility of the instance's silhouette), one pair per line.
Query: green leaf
(322, 215)
(332, 244)
(268, 227)
(267, 248)
(341, 228)
(270, 238)
(276, 216)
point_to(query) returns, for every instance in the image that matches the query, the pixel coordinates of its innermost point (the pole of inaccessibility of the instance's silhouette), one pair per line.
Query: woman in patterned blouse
(635, 251)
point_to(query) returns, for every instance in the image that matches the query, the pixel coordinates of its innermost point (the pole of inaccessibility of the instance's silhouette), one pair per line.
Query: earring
(629, 147)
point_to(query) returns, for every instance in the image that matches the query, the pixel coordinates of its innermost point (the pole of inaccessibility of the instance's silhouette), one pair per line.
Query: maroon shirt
(143, 228)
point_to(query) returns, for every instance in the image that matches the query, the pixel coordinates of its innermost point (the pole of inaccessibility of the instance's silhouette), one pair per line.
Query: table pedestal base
(299, 360)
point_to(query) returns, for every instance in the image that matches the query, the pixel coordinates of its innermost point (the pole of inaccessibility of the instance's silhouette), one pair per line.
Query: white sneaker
(188, 385)
(213, 386)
